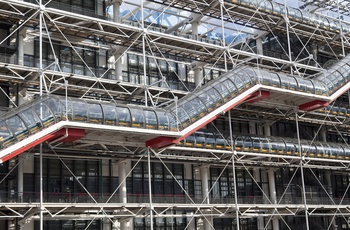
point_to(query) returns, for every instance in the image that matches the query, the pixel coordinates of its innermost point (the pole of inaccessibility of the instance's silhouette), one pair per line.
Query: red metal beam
(73, 134)
(313, 105)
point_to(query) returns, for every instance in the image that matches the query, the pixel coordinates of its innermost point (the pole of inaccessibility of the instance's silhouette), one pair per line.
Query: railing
(67, 197)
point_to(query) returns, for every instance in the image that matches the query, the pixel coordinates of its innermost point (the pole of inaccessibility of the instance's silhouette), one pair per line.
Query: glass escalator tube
(257, 145)
(31, 119)
(209, 141)
(220, 142)
(200, 107)
(190, 141)
(67, 109)
(163, 120)
(48, 111)
(174, 123)
(200, 139)
(183, 117)
(6, 135)
(191, 110)
(247, 144)
(95, 114)
(137, 117)
(109, 114)
(123, 116)
(17, 126)
(80, 110)
(150, 119)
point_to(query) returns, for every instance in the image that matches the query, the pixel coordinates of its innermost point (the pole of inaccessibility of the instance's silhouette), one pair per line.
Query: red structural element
(68, 135)
(258, 96)
(312, 105)
(73, 134)
(161, 142)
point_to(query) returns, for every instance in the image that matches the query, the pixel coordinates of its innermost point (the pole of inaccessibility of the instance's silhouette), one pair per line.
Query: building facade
(174, 114)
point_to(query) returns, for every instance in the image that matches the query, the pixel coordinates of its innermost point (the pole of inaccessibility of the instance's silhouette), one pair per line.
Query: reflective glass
(163, 123)
(174, 124)
(67, 109)
(80, 111)
(17, 126)
(199, 105)
(95, 113)
(225, 94)
(46, 113)
(137, 117)
(183, 117)
(151, 119)
(6, 136)
(110, 114)
(191, 111)
(31, 120)
(123, 116)
(207, 100)
(230, 87)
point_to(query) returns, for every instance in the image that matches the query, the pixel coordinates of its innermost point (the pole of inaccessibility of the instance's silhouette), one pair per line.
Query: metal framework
(174, 32)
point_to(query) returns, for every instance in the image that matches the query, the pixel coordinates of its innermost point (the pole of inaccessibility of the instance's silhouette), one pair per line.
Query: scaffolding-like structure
(156, 58)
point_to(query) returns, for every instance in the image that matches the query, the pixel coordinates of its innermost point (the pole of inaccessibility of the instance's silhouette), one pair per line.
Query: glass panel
(163, 123)
(31, 120)
(137, 116)
(292, 83)
(66, 105)
(230, 87)
(17, 126)
(151, 119)
(215, 95)
(6, 136)
(123, 118)
(275, 80)
(220, 142)
(225, 94)
(207, 100)
(174, 125)
(80, 111)
(238, 82)
(191, 111)
(95, 113)
(210, 140)
(47, 115)
(200, 139)
(183, 117)
(110, 114)
(199, 105)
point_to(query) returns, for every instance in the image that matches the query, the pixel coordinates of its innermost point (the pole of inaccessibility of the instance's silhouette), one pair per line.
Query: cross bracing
(149, 59)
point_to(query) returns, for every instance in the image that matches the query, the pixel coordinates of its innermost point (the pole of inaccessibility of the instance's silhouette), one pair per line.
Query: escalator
(53, 117)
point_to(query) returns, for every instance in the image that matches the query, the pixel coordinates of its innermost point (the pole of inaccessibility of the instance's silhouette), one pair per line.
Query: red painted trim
(73, 135)
(160, 142)
(313, 105)
(258, 96)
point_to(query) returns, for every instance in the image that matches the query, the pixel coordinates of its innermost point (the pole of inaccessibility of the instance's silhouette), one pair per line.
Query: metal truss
(174, 43)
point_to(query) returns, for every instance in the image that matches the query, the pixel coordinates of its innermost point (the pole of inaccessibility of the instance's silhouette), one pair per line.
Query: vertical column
(198, 76)
(205, 191)
(20, 169)
(205, 183)
(273, 196)
(20, 44)
(118, 66)
(116, 10)
(122, 171)
(260, 219)
(189, 176)
(118, 55)
(195, 30)
(259, 46)
(252, 127)
(267, 129)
